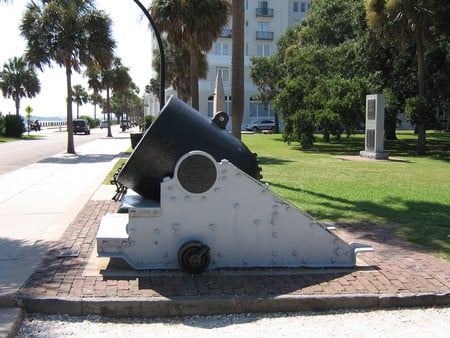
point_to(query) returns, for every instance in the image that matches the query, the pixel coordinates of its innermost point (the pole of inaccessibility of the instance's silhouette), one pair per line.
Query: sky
(133, 38)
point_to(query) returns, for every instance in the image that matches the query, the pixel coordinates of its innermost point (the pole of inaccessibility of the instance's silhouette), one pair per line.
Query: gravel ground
(430, 322)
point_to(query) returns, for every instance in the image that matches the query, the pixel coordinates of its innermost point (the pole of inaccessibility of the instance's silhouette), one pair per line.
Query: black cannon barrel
(178, 130)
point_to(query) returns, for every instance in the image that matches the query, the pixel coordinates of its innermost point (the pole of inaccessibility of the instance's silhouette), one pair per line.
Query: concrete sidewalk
(38, 202)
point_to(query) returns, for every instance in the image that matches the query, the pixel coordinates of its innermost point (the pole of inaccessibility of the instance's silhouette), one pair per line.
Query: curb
(8, 300)
(202, 305)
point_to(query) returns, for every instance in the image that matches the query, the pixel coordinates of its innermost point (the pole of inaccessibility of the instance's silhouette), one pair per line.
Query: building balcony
(266, 12)
(263, 35)
(225, 33)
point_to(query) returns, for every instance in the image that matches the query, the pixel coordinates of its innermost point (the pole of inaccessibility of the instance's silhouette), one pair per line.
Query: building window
(260, 111)
(296, 7)
(263, 50)
(302, 7)
(263, 4)
(263, 32)
(263, 9)
(211, 105)
(224, 73)
(221, 48)
(263, 26)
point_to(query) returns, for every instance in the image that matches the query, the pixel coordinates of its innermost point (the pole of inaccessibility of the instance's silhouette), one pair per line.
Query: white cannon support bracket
(212, 214)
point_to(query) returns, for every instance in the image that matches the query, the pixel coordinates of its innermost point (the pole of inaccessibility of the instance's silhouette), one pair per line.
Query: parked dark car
(81, 126)
(260, 125)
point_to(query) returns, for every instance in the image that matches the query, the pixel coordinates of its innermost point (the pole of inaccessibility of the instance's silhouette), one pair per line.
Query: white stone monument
(374, 147)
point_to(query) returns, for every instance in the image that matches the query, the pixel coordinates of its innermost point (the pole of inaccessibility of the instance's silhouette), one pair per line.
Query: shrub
(14, 126)
(93, 123)
(148, 119)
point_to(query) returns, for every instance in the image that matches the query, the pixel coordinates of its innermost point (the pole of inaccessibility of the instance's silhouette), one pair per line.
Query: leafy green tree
(80, 97)
(113, 79)
(72, 33)
(437, 63)
(320, 72)
(331, 23)
(17, 80)
(410, 22)
(195, 23)
(419, 111)
(265, 73)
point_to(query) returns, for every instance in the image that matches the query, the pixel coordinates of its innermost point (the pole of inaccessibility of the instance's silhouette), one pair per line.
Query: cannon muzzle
(178, 130)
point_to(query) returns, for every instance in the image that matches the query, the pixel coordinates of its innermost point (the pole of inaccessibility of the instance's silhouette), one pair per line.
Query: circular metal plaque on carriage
(197, 173)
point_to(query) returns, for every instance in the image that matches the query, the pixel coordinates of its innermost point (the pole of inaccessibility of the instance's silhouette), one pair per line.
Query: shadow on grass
(437, 146)
(423, 223)
(272, 160)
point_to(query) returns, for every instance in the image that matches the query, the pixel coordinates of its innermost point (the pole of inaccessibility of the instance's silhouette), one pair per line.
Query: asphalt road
(17, 154)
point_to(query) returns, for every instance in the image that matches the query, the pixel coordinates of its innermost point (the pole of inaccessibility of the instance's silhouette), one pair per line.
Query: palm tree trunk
(17, 103)
(70, 143)
(237, 70)
(193, 67)
(421, 84)
(108, 112)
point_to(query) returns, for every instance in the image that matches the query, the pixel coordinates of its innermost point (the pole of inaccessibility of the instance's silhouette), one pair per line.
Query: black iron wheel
(194, 257)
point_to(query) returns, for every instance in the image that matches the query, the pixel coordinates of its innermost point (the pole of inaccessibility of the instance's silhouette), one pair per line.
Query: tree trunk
(108, 112)
(193, 68)
(237, 67)
(70, 143)
(17, 103)
(390, 126)
(421, 130)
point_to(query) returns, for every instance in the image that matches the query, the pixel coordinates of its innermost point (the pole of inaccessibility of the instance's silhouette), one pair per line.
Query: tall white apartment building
(265, 22)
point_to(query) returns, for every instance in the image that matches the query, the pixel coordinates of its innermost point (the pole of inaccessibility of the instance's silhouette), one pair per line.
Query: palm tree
(95, 99)
(17, 80)
(116, 78)
(72, 33)
(177, 70)
(406, 22)
(237, 67)
(195, 23)
(80, 96)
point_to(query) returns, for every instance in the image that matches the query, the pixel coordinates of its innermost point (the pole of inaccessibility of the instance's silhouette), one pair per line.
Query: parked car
(81, 126)
(260, 125)
(103, 124)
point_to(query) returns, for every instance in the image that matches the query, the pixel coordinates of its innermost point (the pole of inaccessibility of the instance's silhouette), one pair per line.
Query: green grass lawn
(24, 137)
(409, 195)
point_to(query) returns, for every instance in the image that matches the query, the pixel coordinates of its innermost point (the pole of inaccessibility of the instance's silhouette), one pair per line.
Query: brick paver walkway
(397, 272)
